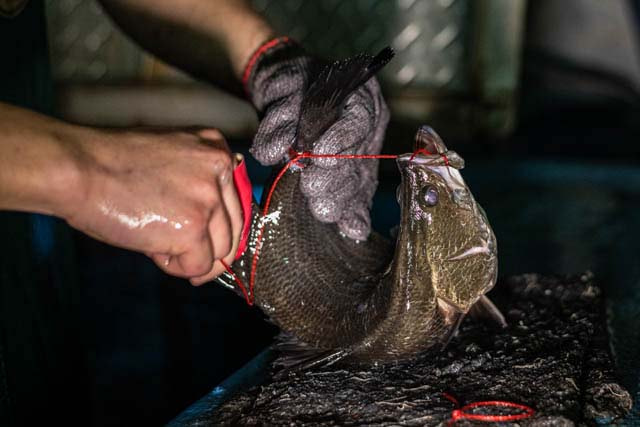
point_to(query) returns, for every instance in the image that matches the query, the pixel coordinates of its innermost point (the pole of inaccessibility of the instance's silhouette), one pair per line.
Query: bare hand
(168, 194)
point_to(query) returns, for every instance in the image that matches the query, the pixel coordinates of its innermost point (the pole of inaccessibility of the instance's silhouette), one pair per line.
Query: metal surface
(457, 60)
(86, 46)
(250, 375)
(430, 37)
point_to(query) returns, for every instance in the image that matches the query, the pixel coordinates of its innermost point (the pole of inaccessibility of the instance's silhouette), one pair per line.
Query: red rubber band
(461, 414)
(256, 55)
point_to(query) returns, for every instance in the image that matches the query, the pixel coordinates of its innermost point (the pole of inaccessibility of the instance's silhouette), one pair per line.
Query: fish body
(374, 300)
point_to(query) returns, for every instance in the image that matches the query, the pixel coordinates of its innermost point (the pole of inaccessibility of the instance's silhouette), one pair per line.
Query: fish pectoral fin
(453, 318)
(297, 355)
(476, 250)
(484, 309)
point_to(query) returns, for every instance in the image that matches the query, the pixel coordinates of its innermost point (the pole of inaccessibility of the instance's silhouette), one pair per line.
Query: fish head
(444, 233)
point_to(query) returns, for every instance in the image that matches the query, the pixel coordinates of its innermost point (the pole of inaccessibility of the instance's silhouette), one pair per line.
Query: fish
(376, 300)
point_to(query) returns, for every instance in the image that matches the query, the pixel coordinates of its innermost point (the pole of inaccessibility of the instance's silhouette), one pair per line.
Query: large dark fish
(371, 301)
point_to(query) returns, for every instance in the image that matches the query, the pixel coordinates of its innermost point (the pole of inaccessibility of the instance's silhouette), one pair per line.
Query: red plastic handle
(245, 192)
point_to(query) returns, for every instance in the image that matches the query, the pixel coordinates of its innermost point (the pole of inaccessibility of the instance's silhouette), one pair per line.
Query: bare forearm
(39, 165)
(163, 193)
(190, 34)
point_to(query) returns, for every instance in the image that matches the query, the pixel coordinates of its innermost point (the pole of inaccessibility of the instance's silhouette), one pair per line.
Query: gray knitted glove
(339, 191)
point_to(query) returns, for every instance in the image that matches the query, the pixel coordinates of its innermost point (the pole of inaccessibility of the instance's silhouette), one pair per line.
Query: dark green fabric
(41, 356)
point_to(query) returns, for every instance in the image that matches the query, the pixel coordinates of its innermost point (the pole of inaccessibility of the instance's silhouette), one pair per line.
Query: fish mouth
(447, 159)
(421, 159)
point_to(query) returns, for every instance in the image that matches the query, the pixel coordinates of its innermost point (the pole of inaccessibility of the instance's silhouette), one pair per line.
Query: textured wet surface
(553, 357)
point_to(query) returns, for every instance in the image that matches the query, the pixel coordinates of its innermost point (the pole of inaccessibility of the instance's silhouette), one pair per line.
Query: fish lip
(407, 159)
(418, 158)
(449, 158)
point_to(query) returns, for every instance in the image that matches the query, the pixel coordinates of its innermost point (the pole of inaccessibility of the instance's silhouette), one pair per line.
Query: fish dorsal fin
(325, 97)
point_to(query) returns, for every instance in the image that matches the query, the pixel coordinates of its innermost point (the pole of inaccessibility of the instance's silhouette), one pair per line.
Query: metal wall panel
(430, 37)
(86, 46)
(457, 60)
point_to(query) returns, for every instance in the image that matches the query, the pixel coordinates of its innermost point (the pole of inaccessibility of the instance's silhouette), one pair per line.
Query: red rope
(462, 414)
(294, 157)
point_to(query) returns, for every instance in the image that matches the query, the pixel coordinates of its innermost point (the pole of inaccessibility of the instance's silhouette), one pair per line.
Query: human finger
(347, 134)
(276, 132)
(328, 206)
(316, 181)
(218, 269)
(195, 261)
(231, 203)
(355, 222)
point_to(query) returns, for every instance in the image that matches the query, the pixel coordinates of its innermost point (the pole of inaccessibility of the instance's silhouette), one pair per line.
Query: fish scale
(370, 301)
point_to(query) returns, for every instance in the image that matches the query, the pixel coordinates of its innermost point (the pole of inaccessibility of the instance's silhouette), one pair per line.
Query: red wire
(295, 156)
(461, 414)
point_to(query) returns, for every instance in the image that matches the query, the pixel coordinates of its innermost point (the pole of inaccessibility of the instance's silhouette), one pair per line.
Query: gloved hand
(339, 191)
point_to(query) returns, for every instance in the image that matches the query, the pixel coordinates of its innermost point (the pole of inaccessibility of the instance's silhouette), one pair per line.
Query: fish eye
(429, 195)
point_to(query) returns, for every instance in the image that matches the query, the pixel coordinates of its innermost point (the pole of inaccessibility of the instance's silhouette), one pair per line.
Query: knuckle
(222, 164)
(277, 131)
(317, 181)
(325, 209)
(286, 95)
(310, 187)
(206, 194)
(196, 224)
(185, 135)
